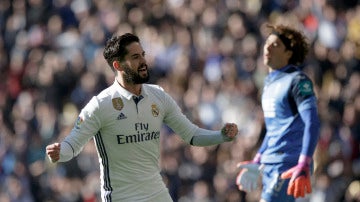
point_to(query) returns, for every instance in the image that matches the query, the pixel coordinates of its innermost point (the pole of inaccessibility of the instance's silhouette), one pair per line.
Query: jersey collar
(272, 75)
(125, 93)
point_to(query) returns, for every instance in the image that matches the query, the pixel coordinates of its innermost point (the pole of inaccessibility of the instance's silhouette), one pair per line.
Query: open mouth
(143, 68)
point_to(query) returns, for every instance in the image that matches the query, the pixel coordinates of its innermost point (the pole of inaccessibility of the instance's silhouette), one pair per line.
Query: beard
(135, 77)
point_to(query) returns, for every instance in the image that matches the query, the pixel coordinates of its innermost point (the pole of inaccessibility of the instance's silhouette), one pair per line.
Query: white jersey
(127, 138)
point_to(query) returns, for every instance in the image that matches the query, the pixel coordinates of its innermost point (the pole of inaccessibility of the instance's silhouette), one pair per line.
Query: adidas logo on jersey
(121, 116)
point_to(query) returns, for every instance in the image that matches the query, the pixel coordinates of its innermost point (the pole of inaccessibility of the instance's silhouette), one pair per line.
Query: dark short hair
(293, 40)
(115, 48)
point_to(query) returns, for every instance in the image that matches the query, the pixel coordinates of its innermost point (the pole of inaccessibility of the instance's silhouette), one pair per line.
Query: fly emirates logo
(142, 134)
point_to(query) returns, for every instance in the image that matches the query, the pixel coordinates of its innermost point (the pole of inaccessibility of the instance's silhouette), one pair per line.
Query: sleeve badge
(305, 88)
(78, 122)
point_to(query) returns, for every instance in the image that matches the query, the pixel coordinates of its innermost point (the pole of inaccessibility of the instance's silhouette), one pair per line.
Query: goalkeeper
(284, 160)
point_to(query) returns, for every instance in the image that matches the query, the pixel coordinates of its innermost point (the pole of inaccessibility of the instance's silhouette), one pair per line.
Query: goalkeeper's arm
(300, 182)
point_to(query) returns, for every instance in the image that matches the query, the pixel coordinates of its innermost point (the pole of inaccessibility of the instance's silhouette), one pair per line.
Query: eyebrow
(286, 41)
(137, 54)
(277, 41)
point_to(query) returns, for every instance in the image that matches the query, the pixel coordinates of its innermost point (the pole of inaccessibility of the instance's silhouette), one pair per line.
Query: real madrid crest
(117, 103)
(154, 110)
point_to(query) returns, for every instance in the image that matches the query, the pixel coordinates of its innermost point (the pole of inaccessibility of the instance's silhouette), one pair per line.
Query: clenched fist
(53, 152)
(229, 131)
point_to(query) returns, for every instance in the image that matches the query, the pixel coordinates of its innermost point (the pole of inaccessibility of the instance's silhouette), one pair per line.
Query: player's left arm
(311, 131)
(205, 137)
(191, 133)
(305, 99)
(306, 102)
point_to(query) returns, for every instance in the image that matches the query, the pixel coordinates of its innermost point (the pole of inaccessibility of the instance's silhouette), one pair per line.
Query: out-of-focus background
(206, 53)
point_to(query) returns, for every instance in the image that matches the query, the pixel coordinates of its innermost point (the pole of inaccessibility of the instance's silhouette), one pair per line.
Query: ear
(117, 65)
(289, 53)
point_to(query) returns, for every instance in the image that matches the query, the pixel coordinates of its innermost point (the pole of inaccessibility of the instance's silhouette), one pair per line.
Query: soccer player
(125, 121)
(284, 159)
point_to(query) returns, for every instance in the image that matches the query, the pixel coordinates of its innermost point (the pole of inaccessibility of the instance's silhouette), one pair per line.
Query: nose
(142, 59)
(267, 47)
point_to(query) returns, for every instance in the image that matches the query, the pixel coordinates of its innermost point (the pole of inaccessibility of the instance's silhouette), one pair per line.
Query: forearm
(311, 131)
(72, 145)
(263, 145)
(205, 137)
(66, 152)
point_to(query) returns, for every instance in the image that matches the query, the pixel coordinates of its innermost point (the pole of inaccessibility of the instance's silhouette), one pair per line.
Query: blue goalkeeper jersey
(287, 93)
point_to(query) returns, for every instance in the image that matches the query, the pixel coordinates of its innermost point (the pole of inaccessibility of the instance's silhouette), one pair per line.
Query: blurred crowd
(207, 54)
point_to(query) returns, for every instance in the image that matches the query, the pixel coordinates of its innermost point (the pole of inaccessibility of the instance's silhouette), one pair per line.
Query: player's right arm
(66, 150)
(250, 171)
(84, 129)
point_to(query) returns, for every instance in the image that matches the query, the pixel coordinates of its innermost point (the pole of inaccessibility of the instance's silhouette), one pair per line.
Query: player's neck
(132, 88)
